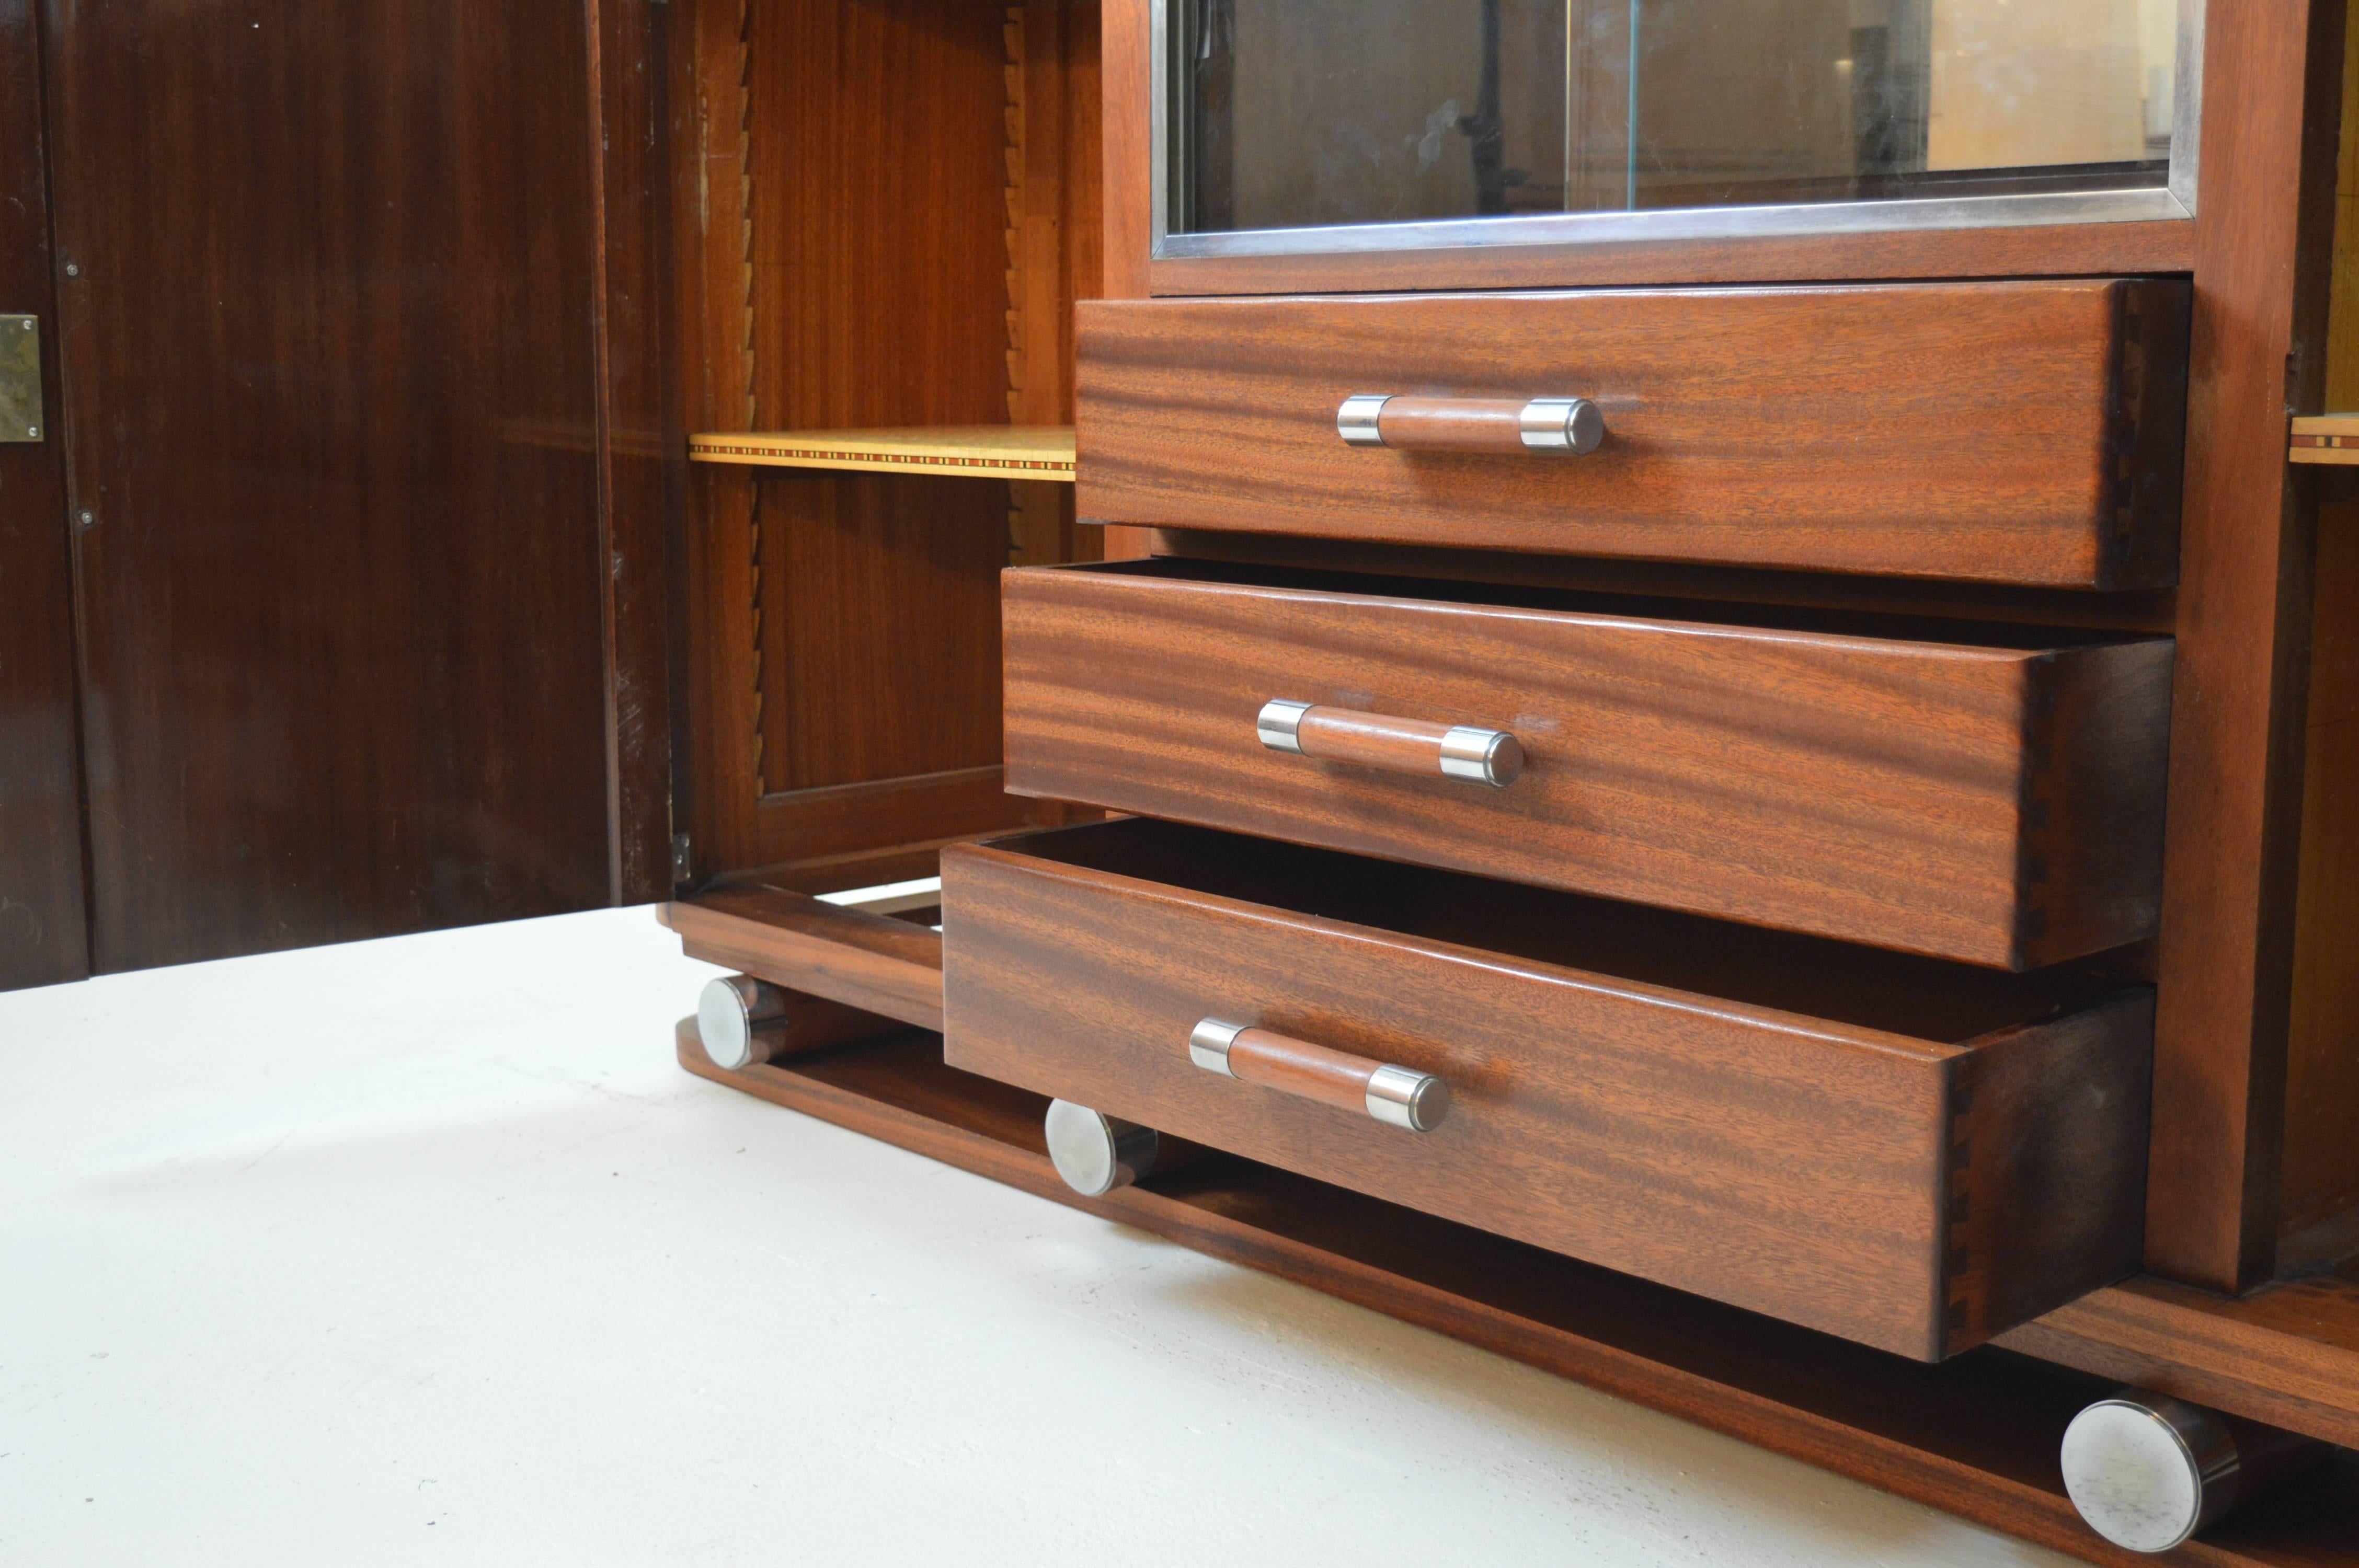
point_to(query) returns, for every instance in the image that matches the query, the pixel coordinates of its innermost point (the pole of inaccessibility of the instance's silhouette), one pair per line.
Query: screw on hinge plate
(21, 417)
(683, 858)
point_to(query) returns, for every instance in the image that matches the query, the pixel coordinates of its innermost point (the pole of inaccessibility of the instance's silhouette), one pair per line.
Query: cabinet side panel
(2230, 839)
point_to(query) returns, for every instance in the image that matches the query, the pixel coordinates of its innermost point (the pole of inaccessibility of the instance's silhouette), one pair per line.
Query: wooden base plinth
(1976, 1435)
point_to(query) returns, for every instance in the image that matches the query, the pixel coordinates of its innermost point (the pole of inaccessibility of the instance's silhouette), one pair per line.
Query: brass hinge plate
(20, 380)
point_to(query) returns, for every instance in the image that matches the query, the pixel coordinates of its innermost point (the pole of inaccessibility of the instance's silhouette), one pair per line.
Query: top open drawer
(1997, 432)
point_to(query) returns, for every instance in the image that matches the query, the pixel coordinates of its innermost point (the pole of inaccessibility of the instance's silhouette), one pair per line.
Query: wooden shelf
(978, 451)
(2325, 439)
(884, 966)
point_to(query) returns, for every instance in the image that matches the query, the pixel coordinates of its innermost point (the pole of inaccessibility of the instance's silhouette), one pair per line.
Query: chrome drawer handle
(1401, 1096)
(1568, 427)
(1466, 752)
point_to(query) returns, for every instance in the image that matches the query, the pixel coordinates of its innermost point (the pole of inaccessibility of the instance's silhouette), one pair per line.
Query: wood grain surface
(867, 962)
(2288, 1354)
(1054, 175)
(1996, 804)
(44, 920)
(1803, 428)
(1975, 1435)
(327, 299)
(2151, 609)
(1492, 424)
(641, 465)
(2320, 1176)
(875, 201)
(1302, 1068)
(1373, 740)
(1917, 1193)
(2263, 248)
(814, 1023)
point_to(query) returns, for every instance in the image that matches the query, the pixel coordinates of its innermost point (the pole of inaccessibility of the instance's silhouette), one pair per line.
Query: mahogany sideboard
(1733, 778)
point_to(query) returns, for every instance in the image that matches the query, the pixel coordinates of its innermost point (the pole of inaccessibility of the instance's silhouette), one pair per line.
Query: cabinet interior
(885, 211)
(1928, 1000)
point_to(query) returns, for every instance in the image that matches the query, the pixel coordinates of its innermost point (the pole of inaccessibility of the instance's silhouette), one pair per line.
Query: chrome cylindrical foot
(1095, 1154)
(730, 1011)
(743, 1020)
(2148, 1472)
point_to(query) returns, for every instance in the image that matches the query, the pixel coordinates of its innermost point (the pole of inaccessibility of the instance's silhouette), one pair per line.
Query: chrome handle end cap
(1573, 425)
(1280, 725)
(1403, 1097)
(1209, 1043)
(1473, 755)
(1357, 420)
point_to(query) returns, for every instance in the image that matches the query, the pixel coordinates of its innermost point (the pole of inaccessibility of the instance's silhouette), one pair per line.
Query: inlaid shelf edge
(2325, 439)
(978, 451)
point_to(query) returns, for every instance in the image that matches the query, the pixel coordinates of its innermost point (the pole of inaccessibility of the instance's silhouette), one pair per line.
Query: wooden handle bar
(1401, 1096)
(1466, 752)
(1568, 427)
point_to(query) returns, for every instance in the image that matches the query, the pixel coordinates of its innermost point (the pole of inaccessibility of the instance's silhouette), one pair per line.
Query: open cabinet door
(329, 290)
(43, 938)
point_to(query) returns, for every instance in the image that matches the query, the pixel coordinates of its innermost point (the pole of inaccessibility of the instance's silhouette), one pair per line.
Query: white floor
(425, 1250)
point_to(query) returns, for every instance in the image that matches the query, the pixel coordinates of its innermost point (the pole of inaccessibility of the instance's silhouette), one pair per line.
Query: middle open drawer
(1994, 795)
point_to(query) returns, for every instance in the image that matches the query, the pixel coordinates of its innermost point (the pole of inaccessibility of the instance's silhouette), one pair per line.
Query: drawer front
(1996, 432)
(1914, 1196)
(1997, 805)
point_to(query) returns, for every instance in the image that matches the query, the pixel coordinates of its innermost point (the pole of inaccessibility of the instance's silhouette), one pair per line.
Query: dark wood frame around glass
(2155, 246)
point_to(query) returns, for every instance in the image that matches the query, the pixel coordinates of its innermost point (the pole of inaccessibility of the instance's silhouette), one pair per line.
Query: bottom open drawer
(1913, 1155)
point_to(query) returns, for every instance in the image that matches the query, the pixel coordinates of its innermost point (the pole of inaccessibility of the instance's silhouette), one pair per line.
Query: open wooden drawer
(2023, 432)
(1904, 1153)
(1990, 794)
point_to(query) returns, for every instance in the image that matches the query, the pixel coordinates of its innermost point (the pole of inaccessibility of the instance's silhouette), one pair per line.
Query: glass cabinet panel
(1292, 114)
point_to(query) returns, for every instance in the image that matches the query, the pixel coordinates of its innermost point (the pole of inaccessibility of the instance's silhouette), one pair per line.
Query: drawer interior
(1806, 619)
(1923, 998)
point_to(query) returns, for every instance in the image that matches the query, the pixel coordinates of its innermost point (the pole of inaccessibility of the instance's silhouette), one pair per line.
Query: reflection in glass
(1296, 112)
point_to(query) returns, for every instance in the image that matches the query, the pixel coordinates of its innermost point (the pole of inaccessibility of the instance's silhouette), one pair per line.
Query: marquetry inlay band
(988, 451)
(2325, 439)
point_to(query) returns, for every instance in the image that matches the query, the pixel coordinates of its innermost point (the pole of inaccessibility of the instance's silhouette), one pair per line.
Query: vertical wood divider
(2244, 615)
(1129, 76)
